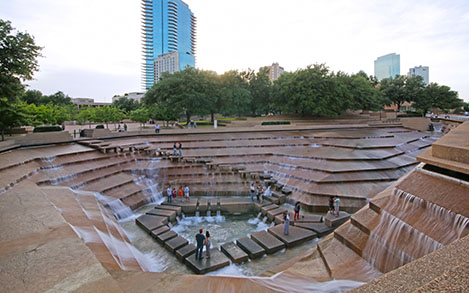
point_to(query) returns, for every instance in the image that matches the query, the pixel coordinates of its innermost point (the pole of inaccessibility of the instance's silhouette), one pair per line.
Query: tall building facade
(167, 26)
(422, 71)
(274, 71)
(387, 66)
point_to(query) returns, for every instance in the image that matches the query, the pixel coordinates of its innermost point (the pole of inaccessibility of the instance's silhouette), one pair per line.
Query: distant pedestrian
(286, 223)
(157, 128)
(180, 149)
(297, 211)
(181, 192)
(63, 126)
(169, 192)
(253, 190)
(262, 194)
(175, 150)
(195, 124)
(186, 193)
(174, 193)
(189, 125)
(336, 205)
(119, 128)
(331, 204)
(200, 239)
(125, 127)
(208, 243)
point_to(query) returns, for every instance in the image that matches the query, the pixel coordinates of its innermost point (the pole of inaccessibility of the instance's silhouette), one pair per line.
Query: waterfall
(218, 213)
(197, 214)
(208, 213)
(120, 210)
(259, 215)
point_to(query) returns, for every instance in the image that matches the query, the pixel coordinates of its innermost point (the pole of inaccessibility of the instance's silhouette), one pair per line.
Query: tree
(18, 60)
(260, 87)
(126, 104)
(32, 97)
(394, 90)
(141, 115)
(108, 114)
(11, 115)
(162, 112)
(87, 115)
(234, 96)
(190, 91)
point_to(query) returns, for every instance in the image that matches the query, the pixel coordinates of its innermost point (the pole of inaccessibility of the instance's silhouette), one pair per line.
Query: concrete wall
(416, 123)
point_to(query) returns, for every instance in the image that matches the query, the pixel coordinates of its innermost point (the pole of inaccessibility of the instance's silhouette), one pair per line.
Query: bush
(275, 123)
(99, 126)
(47, 128)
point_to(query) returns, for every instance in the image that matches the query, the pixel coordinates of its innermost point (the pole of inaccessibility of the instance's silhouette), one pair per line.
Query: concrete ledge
(175, 243)
(216, 261)
(185, 251)
(269, 242)
(149, 223)
(159, 231)
(253, 249)
(236, 254)
(295, 236)
(335, 221)
(162, 238)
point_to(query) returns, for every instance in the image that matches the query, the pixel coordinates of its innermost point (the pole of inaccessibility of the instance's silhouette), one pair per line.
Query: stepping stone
(159, 231)
(275, 212)
(265, 176)
(253, 249)
(178, 210)
(162, 238)
(265, 209)
(268, 241)
(309, 219)
(279, 186)
(272, 199)
(260, 205)
(234, 252)
(295, 236)
(175, 243)
(171, 215)
(320, 228)
(183, 252)
(216, 261)
(281, 197)
(149, 223)
(334, 221)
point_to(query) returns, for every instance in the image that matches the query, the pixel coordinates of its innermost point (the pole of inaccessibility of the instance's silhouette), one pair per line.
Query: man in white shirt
(186, 192)
(169, 193)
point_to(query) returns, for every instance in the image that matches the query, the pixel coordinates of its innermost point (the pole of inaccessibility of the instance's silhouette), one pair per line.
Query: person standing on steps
(169, 192)
(208, 243)
(180, 149)
(253, 189)
(286, 223)
(175, 150)
(297, 211)
(174, 193)
(336, 205)
(331, 204)
(125, 127)
(186, 193)
(200, 239)
(157, 128)
(258, 192)
(181, 193)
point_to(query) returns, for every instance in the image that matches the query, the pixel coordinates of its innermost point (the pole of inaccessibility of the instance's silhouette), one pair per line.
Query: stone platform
(295, 236)
(253, 249)
(150, 222)
(234, 252)
(334, 221)
(216, 261)
(269, 242)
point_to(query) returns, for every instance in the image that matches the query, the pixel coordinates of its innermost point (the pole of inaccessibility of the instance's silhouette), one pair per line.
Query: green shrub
(99, 126)
(276, 123)
(47, 128)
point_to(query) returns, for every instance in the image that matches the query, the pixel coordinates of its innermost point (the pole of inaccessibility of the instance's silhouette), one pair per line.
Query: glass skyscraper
(167, 26)
(387, 66)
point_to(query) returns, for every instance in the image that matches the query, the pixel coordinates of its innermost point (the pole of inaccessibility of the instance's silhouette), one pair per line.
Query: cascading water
(394, 242)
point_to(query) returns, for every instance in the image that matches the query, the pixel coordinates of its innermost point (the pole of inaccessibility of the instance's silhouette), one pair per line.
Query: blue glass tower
(387, 66)
(167, 26)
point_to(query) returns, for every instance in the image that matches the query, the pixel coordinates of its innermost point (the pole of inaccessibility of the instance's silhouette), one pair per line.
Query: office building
(387, 66)
(136, 96)
(274, 71)
(167, 62)
(422, 71)
(167, 26)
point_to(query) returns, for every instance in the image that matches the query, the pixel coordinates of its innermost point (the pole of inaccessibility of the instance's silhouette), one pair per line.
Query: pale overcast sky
(92, 47)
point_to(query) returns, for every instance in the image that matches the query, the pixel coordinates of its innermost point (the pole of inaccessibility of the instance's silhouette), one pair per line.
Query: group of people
(189, 125)
(258, 191)
(177, 146)
(172, 193)
(201, 241)
(120, 129)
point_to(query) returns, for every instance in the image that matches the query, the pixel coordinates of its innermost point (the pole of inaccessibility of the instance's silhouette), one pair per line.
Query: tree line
(313, 91)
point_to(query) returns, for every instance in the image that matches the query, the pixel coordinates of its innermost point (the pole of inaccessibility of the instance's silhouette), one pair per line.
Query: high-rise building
(274, 71)
(387, 66)
(167, 26)
(422, 71)
(167, 62)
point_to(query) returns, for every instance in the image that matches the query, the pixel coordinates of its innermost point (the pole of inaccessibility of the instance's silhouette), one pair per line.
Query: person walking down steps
(297, 211)
(180, 149)
(286, 224)
(175, 150)
(169, 192)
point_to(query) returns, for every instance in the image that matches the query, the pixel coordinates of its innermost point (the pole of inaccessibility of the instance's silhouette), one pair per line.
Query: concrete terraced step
(185, 251)
(149, 223)
(319, 228)
(135, 201)
(249, 246)
(234, 253)
(175, 244)
(108, 183)
(295, 236)
(216, 261)
(171, 215)
(269, 242)
(366, 220)
(125, 190)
